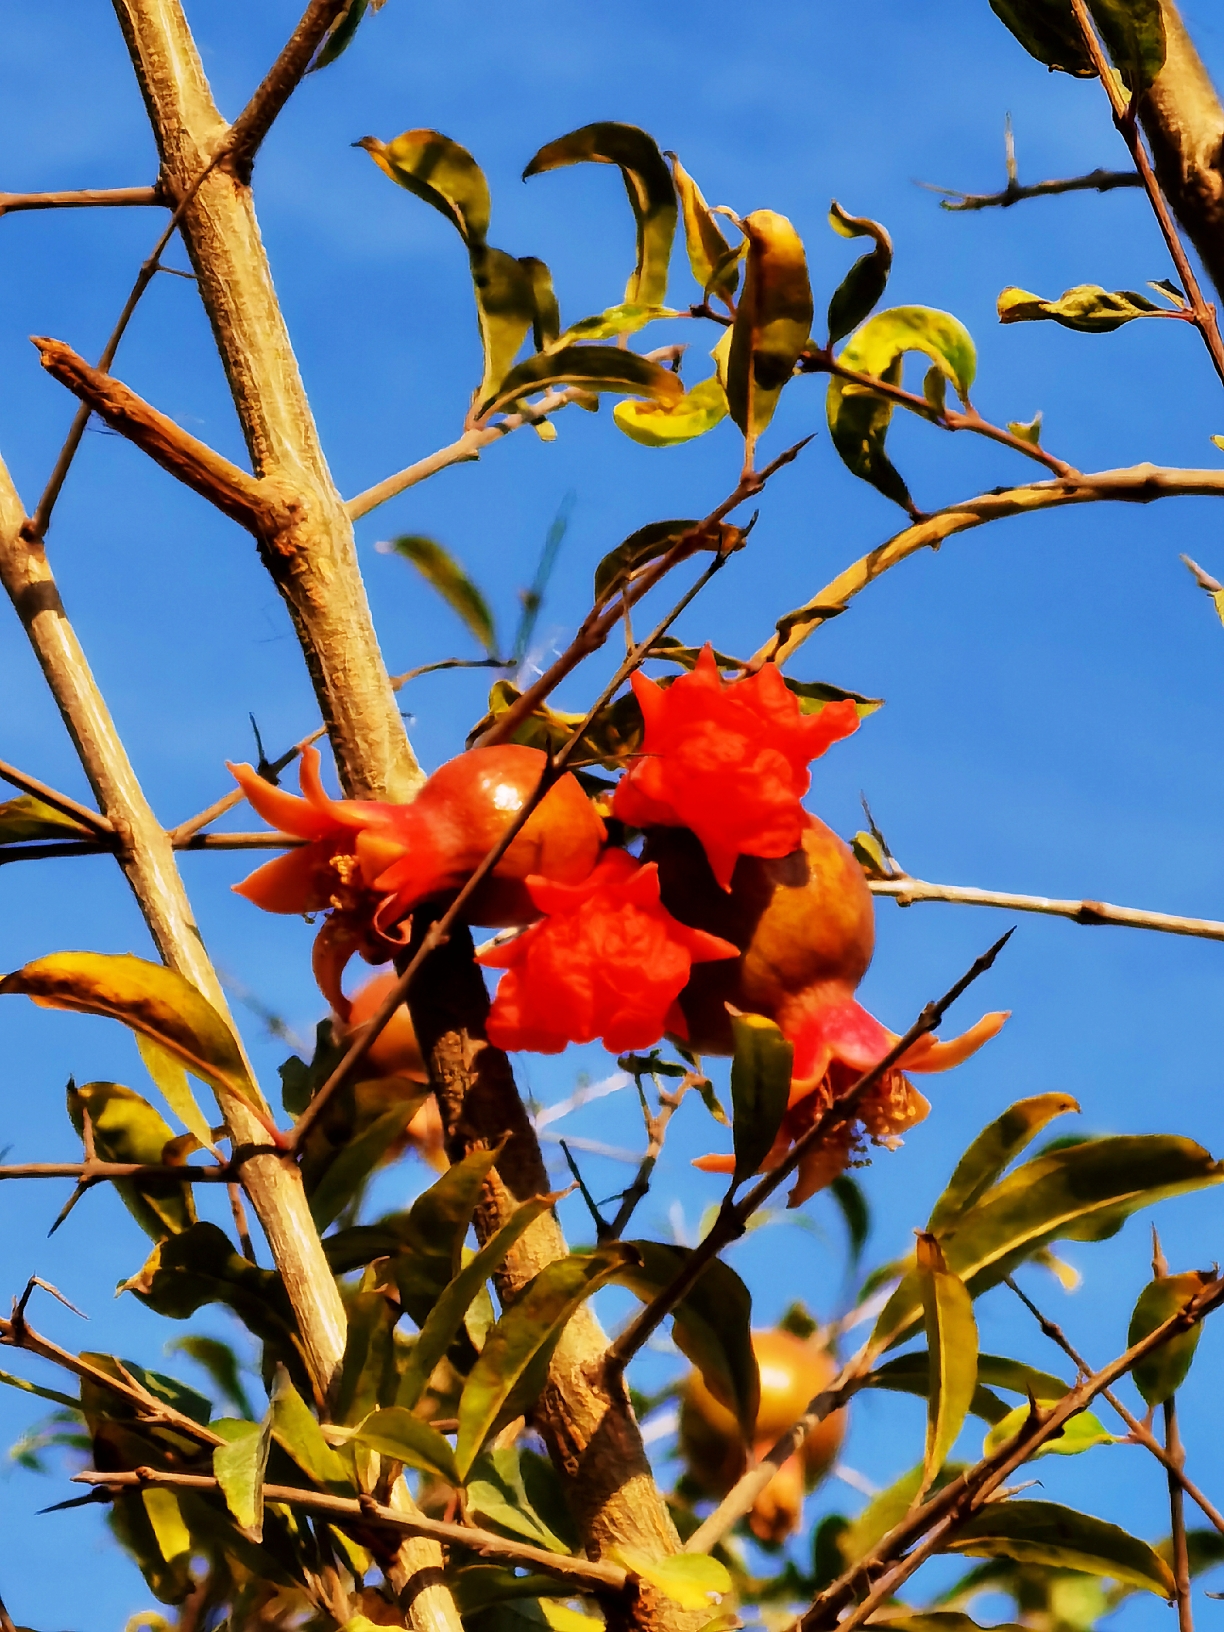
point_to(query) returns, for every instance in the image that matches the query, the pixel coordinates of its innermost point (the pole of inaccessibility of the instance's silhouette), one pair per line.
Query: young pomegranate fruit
(793, 1371)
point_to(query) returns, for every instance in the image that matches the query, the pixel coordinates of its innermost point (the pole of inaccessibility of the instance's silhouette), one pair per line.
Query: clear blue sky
(1053, 685)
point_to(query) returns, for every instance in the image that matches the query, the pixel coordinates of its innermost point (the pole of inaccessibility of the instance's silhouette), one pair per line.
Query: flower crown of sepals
(607, 960)
(728, 760)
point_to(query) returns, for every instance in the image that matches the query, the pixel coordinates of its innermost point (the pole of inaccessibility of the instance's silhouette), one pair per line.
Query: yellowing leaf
(714, 263)
(994, 1149)
(295, 1430)
(166, 1518)
(648, 184)
(773, 321)
(1060, 1538)
(27, 818)
(1087, 307)
(666, 425)
(168, 1073)
(624, 319)
(597, 368)
(1161, 1374)
(153, 1001)
(952, 1344)
(126, 1128)
(439, 171)
(505, 311)
(692, 1580)
(442, 572)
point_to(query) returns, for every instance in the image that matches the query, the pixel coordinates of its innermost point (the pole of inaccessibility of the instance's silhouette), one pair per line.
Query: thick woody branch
(580, 1574)
(86, 198)
(279, 83)
(907, 891)
(237, 495)
(1140, 484)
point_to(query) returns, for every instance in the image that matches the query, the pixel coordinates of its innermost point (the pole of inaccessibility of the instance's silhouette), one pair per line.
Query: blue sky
(1053, 685)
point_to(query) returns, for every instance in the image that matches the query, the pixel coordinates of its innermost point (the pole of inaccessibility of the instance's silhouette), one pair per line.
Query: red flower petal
(727, 760)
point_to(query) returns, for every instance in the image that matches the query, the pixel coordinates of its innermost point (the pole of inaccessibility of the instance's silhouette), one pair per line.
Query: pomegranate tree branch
(583, 1575)
(57, 801)
(906, 891)
(1096, 181)
(89, 197)
(247, 132)
(234, 492)
(1140, 484)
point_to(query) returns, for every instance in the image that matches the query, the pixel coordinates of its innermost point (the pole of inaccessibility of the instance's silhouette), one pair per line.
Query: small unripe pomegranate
(396, 1071)
(804, 921)
(793, 1371)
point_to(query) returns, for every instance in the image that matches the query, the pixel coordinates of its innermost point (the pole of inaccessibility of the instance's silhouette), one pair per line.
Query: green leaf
(952, 1345)
(692, 1580)
(1047, 30)
(1161, 1374)
(446, 1317)
(1087, 308)
(126, 1128)
(852, 1204)
(1064, 1194)
(813, 695)
(859, 419)
(425, 1245)
(773, 321)
(859, 292)
(711, 1325)
(885, 1511)
(153, 1001)
(1081, 1433)
(28, 818)
(1134, 35)
(1030, 432)
(760, 1089)
(667, 425)
(627, 318)
(648, 184)
(596, 368)
(358, 1159)
(168, 1073)
(648, 544)
(342, 33)
(546, 325)
(498, 1493)
(219, 1361)
(52, 1394)
(396, 1433)
(442, 572)
(1058, 1537)
(994, 1149)
(296, 1431)
(239, 1467)
(513, 1365)
(713, 261)
(911, 1374)
(441, 173)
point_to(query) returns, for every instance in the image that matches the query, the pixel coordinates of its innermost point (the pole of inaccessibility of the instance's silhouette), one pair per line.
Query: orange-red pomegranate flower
(607, 961)
(836, 1041)
(727, 760)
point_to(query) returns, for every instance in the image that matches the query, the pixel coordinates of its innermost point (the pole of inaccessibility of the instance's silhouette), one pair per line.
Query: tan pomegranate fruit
(793, 1371)
(397, 1071)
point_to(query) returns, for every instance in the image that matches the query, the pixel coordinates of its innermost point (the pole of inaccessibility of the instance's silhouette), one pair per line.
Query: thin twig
(36, 527)
(589, 1574)
(1139, 1430)
(92, 819)
(1140, 484)
(465, 451)
(1202, 312)
(908, 892)
(252, 125)
(94, 1172)
(1098, 181)
(84, 197)
(733, 1216)
(656, 1132)
(938, 1519)
(820, 360)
